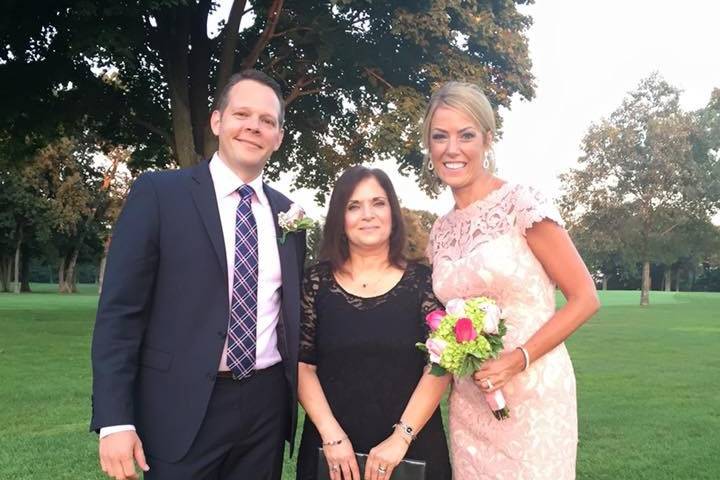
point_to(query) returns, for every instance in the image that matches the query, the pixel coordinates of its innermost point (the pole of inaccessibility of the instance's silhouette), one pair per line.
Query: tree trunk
(667, 279)
(16, 288)
(103, 262)
(25, 274)
(174, 33)
(645, 289)
(61, 275)
(5, 272)
(70, 274)
(604, 283)
(677, 280)
(691, 278)
(198, 68)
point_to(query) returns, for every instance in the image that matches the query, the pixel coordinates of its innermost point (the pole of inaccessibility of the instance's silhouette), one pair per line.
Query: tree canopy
(356, 73)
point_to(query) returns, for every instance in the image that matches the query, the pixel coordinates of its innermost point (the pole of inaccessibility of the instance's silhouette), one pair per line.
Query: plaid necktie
(242, 330)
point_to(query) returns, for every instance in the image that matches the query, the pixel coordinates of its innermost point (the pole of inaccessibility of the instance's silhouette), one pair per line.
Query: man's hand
(118, 454)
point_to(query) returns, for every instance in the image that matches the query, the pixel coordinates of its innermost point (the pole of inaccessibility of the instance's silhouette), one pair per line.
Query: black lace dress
(367, 363)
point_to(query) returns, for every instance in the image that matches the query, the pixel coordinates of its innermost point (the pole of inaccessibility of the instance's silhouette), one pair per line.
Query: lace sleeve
(308, 319)
(531, 206)
(428, 301)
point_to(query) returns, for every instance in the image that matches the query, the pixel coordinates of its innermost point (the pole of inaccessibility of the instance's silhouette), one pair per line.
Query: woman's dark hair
(334, 245)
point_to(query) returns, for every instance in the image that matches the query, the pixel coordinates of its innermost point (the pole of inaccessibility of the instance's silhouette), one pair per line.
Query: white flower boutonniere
(293, 220)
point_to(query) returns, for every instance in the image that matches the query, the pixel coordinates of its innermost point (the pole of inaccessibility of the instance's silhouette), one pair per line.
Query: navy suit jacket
(163, 312)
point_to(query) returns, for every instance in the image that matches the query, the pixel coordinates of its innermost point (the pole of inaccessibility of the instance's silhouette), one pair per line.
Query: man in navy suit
(196, 340)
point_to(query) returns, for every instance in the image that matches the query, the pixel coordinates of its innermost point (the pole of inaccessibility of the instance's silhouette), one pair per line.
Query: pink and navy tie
(242, 329)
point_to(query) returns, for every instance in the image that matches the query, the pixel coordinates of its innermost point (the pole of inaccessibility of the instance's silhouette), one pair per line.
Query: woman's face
(457, 147)
(368, 218)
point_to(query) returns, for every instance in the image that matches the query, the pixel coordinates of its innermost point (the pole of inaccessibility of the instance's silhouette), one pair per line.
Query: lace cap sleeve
(428, 301)
(532, 206)
(308, 321)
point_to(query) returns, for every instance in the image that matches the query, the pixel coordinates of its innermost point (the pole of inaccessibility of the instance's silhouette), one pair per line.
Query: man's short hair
(221, 101)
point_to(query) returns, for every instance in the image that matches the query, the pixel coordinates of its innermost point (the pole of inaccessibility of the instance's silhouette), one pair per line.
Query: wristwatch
(405, 429)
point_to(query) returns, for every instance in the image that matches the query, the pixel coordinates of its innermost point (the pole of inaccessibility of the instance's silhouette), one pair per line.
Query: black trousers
(242, 435)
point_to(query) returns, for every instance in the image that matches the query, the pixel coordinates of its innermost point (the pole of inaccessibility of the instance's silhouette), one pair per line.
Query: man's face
(248, 129)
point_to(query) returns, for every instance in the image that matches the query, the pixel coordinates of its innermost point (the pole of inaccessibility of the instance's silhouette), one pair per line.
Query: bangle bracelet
(406, 430)
(526, 356)
(334, 442)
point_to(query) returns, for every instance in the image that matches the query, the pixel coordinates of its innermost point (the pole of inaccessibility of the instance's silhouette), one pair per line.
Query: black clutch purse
(406, 470)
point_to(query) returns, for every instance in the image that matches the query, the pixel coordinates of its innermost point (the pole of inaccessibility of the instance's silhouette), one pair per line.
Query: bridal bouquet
(462, 337)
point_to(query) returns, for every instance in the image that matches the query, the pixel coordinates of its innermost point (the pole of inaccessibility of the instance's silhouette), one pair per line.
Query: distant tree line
(641, 201)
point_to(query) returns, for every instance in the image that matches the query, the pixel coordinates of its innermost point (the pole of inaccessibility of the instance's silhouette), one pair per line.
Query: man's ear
(280, 139)
(215, 122)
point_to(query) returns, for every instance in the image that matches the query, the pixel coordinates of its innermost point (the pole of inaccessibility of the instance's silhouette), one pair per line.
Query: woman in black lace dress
(361, 378)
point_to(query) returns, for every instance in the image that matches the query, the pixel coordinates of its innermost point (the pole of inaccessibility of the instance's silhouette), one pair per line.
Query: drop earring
(489, 159)
(430, 166)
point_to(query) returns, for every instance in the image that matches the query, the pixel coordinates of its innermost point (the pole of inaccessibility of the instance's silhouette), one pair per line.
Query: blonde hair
(464, 97)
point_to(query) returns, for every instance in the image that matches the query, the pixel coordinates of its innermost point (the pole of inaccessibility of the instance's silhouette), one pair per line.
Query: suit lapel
(203, 193)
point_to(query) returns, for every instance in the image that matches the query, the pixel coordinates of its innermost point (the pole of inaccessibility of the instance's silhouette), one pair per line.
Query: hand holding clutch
(406, 470)
(384, 457)
(340, 459)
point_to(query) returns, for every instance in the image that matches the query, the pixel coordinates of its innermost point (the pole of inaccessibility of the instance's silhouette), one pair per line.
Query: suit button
(211, 377)
(222, 333)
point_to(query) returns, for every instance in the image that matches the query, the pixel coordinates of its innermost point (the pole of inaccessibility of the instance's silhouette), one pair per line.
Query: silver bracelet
(526, 356)
(406, 430)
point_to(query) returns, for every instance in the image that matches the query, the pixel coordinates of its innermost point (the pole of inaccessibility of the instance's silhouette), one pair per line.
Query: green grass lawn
(648, 391)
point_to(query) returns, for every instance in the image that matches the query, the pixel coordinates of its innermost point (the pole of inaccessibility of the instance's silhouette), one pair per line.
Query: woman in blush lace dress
(507, 242)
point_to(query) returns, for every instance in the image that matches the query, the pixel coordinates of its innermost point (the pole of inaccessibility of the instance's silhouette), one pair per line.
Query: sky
(586, 56)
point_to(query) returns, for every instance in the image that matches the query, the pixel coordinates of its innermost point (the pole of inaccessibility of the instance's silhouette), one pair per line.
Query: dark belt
(228, 375)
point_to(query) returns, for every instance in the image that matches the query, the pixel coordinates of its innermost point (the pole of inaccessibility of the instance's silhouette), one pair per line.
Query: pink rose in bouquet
(434, 318)
(464, 331)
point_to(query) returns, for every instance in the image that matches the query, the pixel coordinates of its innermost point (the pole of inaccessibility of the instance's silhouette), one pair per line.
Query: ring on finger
(334, 468)
(486, 383)
(382, 469)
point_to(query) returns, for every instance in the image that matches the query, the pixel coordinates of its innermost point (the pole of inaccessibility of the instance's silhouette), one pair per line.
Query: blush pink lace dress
(482, 250)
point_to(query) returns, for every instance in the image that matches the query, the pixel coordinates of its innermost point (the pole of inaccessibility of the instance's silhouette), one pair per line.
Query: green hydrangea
(462, 359)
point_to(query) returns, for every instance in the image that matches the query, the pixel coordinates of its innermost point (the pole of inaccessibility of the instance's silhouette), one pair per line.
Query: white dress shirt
(226, 184)
(269, 273)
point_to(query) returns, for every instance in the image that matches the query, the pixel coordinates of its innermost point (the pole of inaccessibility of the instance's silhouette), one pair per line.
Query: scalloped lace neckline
(482, 201)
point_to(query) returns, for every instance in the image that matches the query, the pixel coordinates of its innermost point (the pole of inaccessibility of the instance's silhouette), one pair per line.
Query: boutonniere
(293, 220)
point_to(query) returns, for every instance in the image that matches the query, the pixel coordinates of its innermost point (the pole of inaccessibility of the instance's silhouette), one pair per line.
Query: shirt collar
(226, 182)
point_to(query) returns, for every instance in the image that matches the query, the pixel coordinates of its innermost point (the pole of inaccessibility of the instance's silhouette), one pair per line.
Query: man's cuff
(105, 431)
